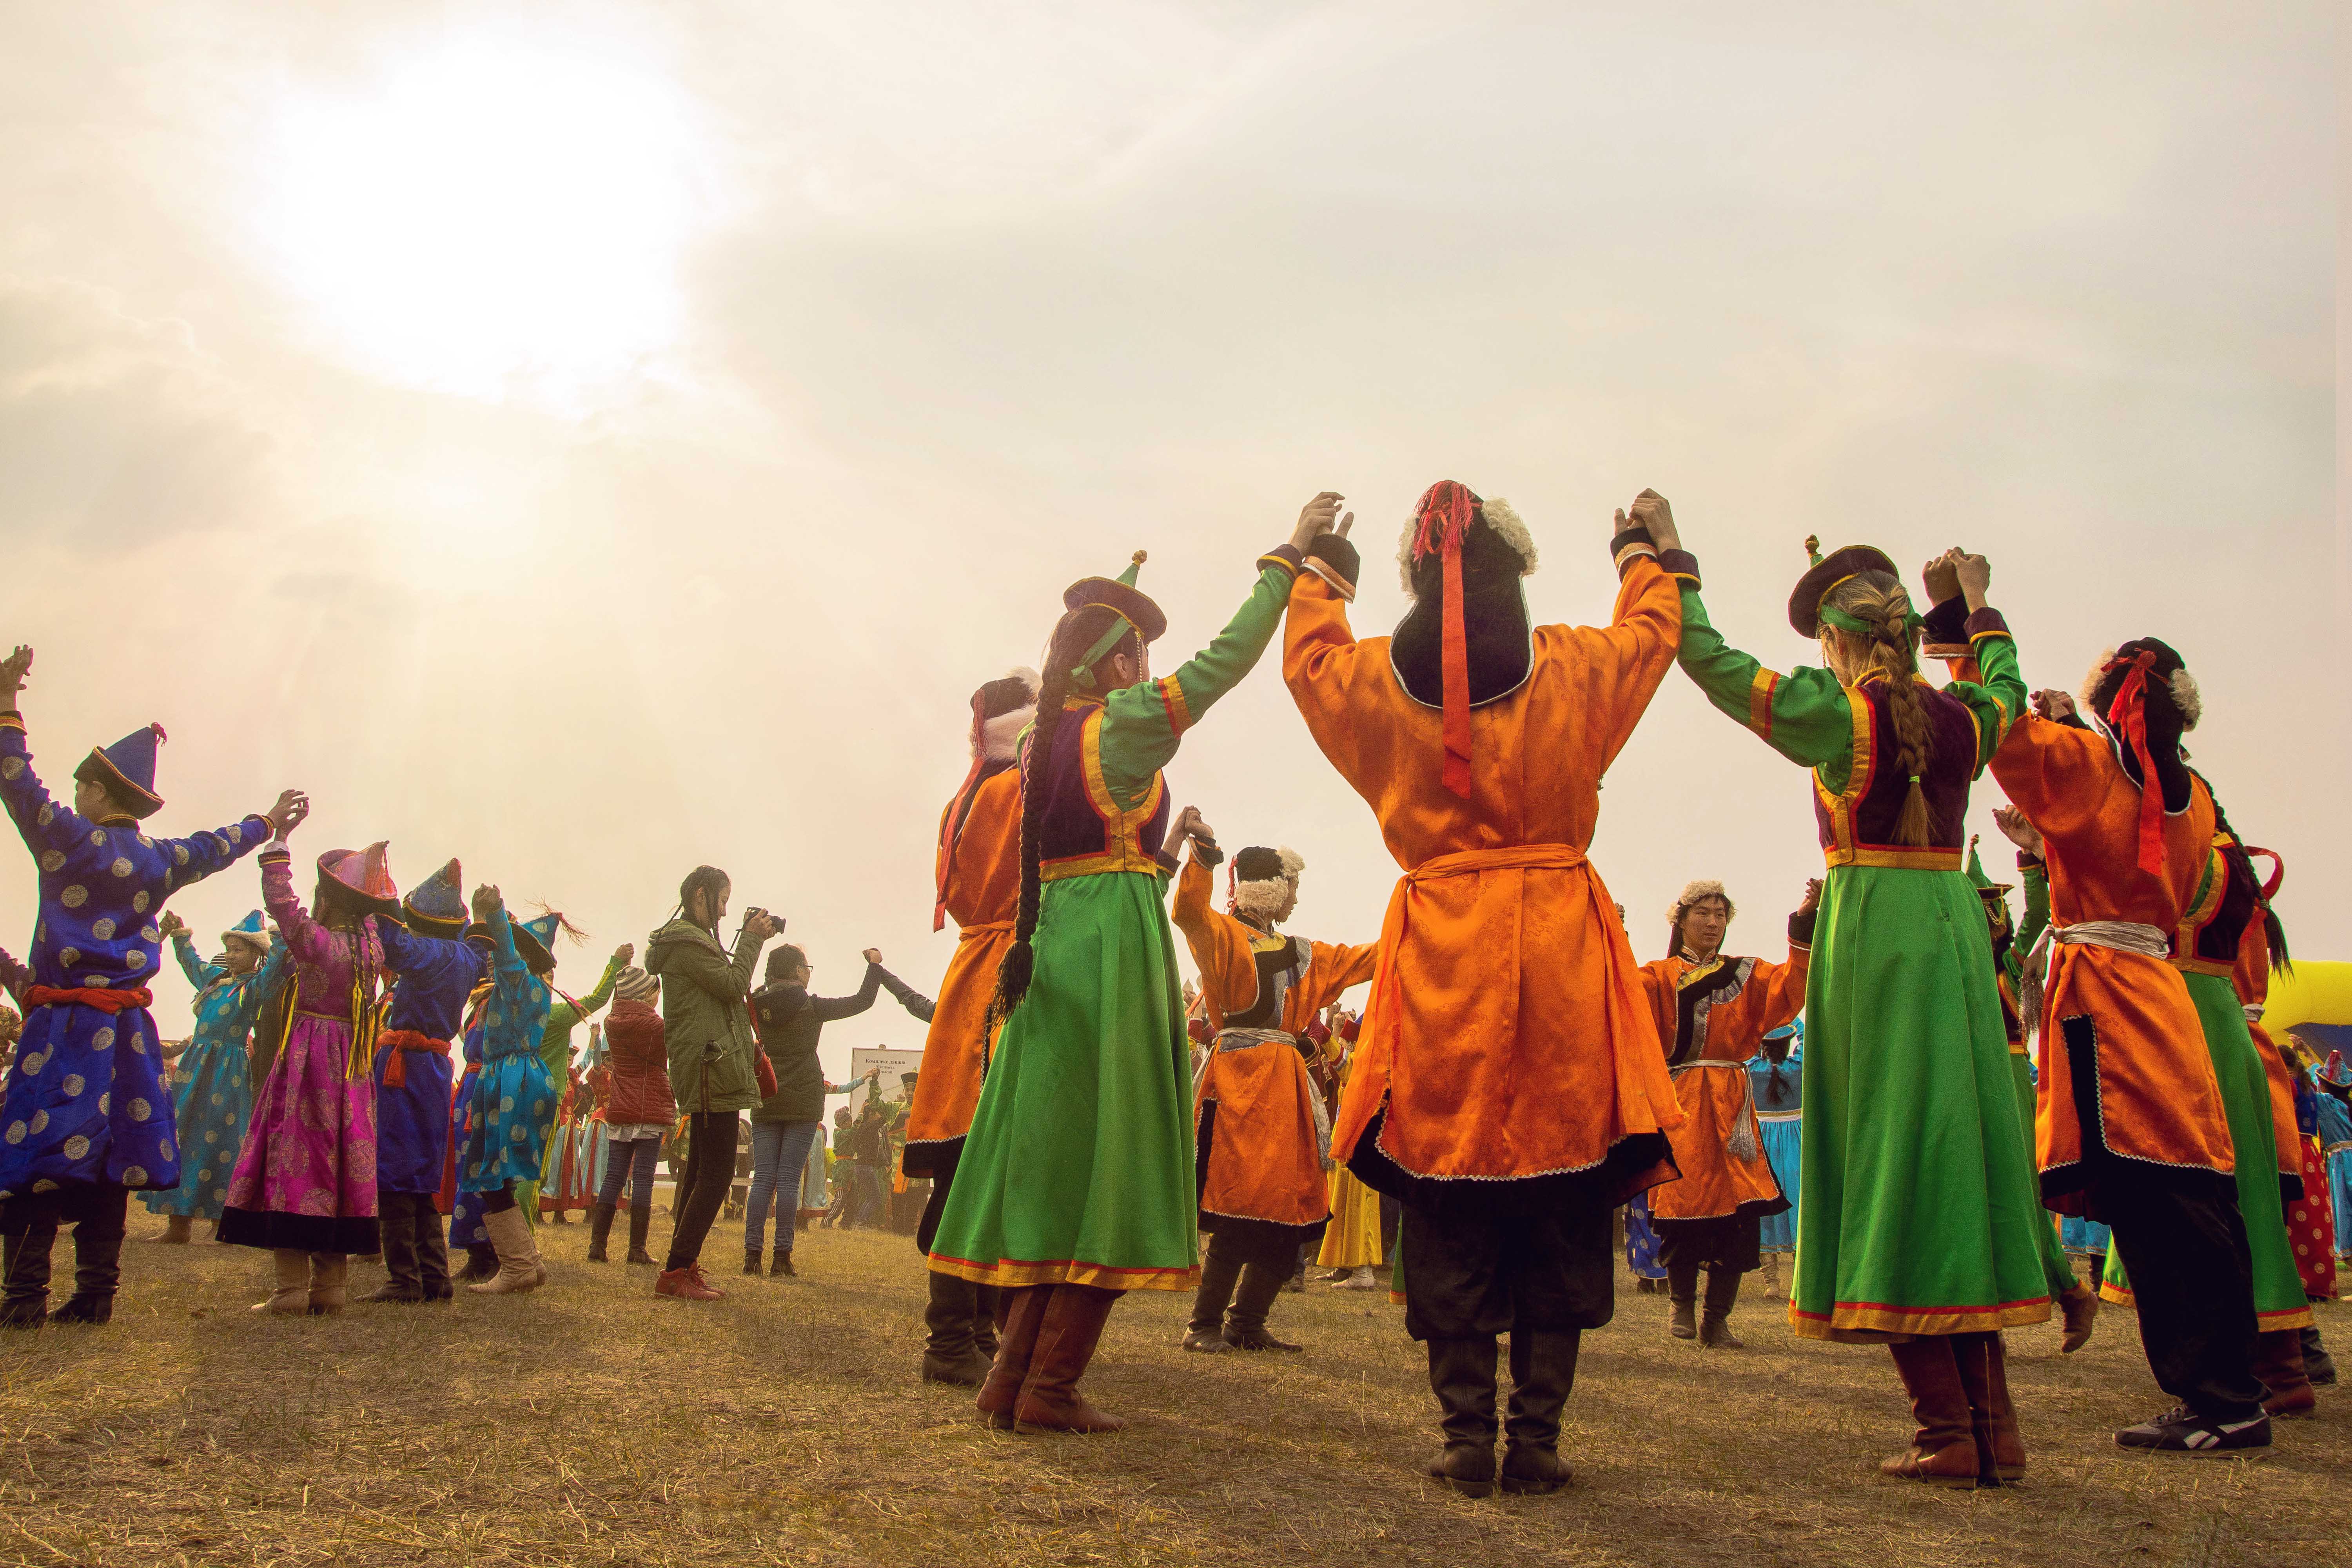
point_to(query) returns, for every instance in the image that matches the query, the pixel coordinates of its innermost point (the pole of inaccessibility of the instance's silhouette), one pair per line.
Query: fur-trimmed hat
(1263, 878)
(2107, 674)
(1469, 542)
(1705, 887)
(1000, 710)
(1494, 512)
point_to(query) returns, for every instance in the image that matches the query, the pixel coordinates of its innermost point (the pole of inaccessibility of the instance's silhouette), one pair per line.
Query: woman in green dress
(1077, 1180)
(1917, 1208)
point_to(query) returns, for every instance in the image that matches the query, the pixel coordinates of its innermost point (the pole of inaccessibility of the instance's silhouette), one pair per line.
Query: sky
(593, 439)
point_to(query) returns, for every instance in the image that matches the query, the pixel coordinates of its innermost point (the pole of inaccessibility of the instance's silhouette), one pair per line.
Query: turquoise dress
(1779, 1127)
(514, 1096)
(212, 1094)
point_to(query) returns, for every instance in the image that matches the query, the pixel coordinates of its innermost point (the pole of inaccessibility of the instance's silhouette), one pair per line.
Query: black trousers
(710, 1175)
(2192, 1277)
(1473, 1275)
(1732, 1241)
(99, 1212)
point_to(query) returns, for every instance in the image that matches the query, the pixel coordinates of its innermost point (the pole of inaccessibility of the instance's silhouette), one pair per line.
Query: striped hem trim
(1877, 1317)
(12, 722)
(1013, 1273)
(1179, 712)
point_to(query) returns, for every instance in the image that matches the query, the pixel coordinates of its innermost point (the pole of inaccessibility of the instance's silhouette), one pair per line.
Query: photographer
(715, 1066)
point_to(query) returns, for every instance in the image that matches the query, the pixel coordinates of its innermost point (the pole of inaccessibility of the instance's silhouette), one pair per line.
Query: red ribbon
(1443, 516)
(96, 996)
(951, 825)
(2127, 717)
(2278, 870)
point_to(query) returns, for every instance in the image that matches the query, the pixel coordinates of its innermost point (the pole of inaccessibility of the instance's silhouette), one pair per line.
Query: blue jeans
(624, 1162)
(779, 1150)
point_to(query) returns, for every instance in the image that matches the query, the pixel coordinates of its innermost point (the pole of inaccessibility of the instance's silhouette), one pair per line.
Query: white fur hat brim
(2187, 695)
(1500, 515)
(1694, 892)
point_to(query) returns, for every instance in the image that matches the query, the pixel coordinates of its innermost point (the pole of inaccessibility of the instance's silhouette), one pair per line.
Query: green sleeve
(1996, 699)
(564, 1017)
(1802, 715)
(2037, 908)
(1142, 724)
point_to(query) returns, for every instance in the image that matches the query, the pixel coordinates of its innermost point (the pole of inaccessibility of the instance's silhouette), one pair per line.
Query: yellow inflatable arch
(2313, 992)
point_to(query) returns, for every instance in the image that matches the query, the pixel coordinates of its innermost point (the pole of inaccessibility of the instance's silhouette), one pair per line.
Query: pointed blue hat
(437, 906)
(254, 929)
(127, 768)
(535, 939)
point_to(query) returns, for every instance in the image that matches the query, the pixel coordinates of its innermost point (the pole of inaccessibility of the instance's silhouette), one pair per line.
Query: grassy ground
(595, 1423)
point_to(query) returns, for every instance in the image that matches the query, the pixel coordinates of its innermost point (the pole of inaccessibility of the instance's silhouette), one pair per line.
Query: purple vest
(1082, 831)
(1858, 826)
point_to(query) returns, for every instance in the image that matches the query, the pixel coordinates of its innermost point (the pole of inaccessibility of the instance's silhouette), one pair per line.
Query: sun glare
(491, 220)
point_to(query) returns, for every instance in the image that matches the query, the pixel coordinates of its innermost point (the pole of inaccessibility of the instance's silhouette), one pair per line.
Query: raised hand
(1812, 897)
(2054, 704)
(1976, 577)
(170, 925)
(1652, 511)
(487, 901)
(15, 668)
(624, 953)
(2017, 830)
(1317, 517)
(873, 955)
(761, 925)
(1941, 576)
(293, 806)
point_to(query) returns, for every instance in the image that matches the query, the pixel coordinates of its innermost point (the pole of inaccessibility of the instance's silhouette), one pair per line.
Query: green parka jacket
(706, 1018)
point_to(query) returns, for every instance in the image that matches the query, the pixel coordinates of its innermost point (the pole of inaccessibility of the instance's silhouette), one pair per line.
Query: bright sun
(491, 220)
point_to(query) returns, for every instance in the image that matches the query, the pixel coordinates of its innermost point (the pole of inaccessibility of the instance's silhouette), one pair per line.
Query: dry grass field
(594, 1423)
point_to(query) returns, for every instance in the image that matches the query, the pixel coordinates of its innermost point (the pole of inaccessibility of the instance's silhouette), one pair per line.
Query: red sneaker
(687, 1284)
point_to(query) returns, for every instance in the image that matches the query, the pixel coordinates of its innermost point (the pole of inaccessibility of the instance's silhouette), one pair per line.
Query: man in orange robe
(2131, 1129)
(1262, 1133)
(978, 872)
(1712, 1014)
(1509, 1089)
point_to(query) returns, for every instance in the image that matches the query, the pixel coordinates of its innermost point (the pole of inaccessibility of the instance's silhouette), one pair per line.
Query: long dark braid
(1073, 636)
(2237, 857)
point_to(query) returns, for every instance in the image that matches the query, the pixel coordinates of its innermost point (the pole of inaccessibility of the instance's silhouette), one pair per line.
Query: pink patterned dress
(305, 1177)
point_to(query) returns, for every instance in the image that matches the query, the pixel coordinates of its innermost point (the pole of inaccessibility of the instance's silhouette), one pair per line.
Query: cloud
(114, 428)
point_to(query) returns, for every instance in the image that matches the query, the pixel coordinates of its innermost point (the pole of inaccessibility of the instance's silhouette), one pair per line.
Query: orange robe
(983, 893)
(1265, 1142)
(2122, 1019)
(1719, 1012)
(1507, 1035)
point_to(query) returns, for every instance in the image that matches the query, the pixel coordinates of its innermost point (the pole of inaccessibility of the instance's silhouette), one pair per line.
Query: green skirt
(1919, 1205)
(2057, 1267)
(1078, 1167)
(2279, 1299)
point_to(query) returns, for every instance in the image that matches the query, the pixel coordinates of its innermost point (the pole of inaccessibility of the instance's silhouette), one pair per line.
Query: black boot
(1543, 1372)
(402, 1280)
(949, 1352)
(754, 1262)
(98, 1268)
(641, 1220)
(600, 1227)
(2317, 1364)
(432, 1249)
(1722, 1290)
(780, 1263)
(1682, 1292)
(1245, 1319)
(983, 1320)
(1462, 1375)
(25, 1304)
(481, 1261)
(1206, 1332)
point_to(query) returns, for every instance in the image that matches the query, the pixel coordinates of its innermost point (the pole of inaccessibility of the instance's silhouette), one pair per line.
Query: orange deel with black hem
(983, 895)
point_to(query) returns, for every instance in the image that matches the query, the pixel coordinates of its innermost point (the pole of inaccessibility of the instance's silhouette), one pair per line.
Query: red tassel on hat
(160, 736)
(2127, 717)
(951, 825)
(1443, 516)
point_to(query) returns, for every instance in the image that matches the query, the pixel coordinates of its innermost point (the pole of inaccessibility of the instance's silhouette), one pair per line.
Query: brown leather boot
(1973, 1360)
(1714, 1322)
(949, 1354)
(1462, 1375)
(1682, 1292)
(1944, 1450)
(2278, 1362)
(518, 1266)
(2008, 1444)
(1023, 1309)
(1066, 1337)
(2081, 1306)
